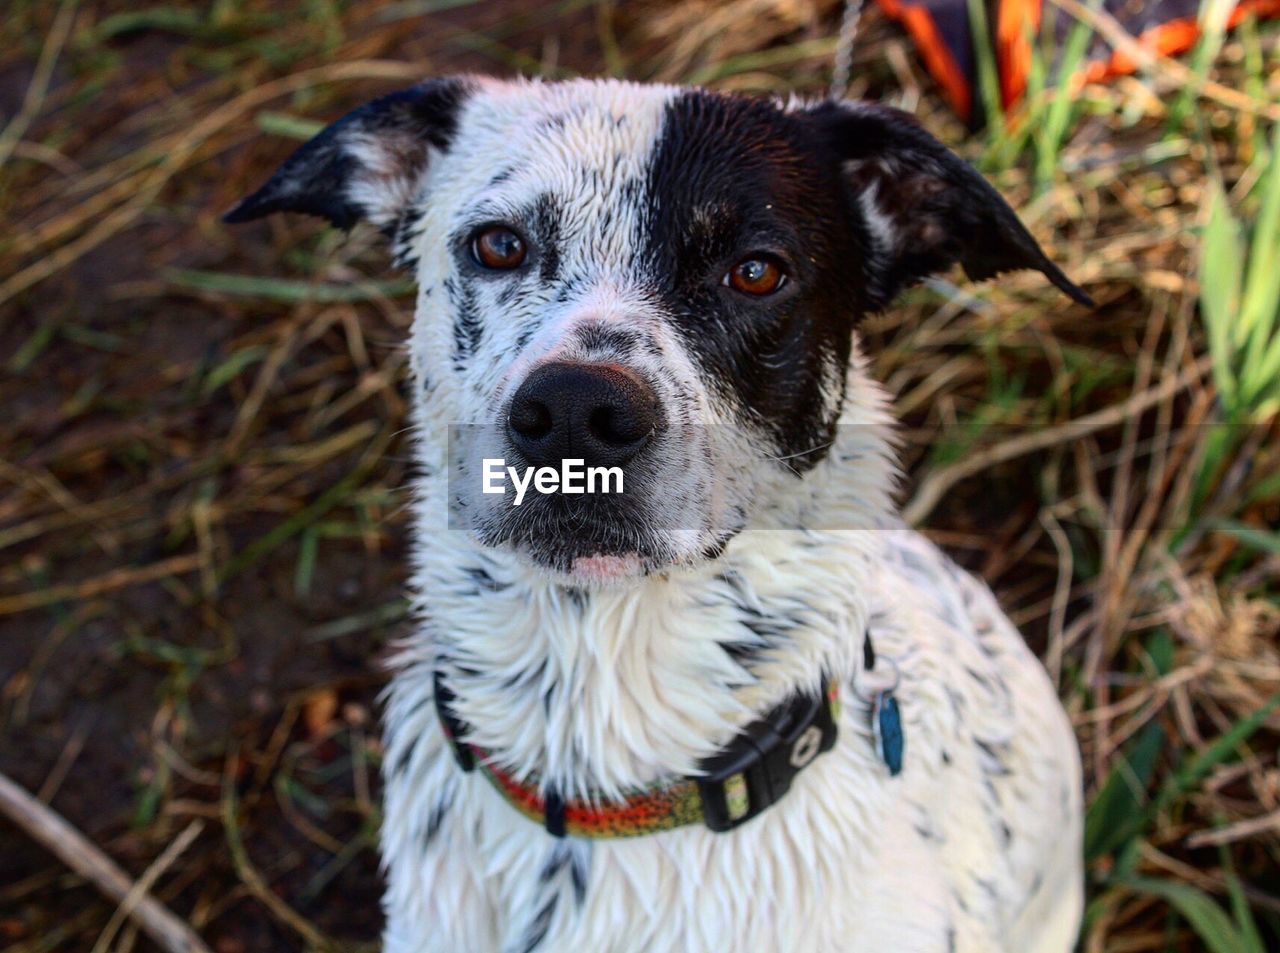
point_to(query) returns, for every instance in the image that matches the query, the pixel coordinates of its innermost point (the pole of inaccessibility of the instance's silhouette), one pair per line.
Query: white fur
(603, 688)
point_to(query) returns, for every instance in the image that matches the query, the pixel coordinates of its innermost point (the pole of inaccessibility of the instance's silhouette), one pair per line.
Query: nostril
(616, 427)
(531, 418)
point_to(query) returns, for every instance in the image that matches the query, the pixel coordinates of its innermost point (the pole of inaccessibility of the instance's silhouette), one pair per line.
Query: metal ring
(806, 747)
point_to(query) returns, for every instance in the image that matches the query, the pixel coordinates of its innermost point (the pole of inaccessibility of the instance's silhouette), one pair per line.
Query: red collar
(753, 772)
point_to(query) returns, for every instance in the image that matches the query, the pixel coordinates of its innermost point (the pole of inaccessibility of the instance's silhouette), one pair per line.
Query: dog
(739, 705)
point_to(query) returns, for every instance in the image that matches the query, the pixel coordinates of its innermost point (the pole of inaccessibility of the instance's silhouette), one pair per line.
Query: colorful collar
(753, 772)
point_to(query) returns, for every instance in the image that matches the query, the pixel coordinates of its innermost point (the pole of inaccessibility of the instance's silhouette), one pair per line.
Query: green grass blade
(1220, 279)
(417, 8)
(988, 78)
(1258, 539)
(230, 369)
(1222, 748)
(1209, 921)
(24, 356)
(384, 615)
(165, 19)
(1268, 374)
(285, 289)
(1240, 909)
(305, 569)
(1060, 112)
(1262, 293)
(283, 124)
(750, 62)
(1118, 812)
(1212, 24)
(1260, 306)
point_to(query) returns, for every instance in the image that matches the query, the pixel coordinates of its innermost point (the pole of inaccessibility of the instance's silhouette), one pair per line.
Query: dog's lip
(605, 567)
(585, 559)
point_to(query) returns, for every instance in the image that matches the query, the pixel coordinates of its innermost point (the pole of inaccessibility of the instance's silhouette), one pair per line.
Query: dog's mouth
(601, 544)
(604, 569)
(591, 542)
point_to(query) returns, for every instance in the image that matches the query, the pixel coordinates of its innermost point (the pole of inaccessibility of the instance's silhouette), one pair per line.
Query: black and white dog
(738, 706)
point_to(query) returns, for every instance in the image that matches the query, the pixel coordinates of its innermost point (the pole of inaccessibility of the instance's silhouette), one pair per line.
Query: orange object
(940, 56)
(942, 34)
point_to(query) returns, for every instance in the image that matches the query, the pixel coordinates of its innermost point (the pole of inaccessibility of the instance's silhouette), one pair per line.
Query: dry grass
(201, 509)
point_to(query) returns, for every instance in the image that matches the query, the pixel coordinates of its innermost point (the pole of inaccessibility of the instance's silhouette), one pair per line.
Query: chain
(843, 66)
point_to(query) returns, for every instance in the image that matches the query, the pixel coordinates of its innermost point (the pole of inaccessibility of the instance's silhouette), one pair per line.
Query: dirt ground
(202, 463)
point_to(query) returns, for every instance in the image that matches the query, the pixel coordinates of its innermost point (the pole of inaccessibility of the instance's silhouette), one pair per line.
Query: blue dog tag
(888, 723)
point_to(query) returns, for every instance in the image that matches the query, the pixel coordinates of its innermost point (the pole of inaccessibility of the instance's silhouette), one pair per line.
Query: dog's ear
(366, 166)
(921, 206)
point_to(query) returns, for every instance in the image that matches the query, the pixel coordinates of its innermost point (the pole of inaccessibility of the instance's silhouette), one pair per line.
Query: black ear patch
(924, 208)
(366, 165)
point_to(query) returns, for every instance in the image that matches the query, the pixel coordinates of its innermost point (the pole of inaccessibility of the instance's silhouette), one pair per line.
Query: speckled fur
(605, 684)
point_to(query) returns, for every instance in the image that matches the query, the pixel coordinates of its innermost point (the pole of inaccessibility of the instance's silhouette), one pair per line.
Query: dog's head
(656, 279)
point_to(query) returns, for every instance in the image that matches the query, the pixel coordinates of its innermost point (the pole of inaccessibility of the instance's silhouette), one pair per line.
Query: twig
(16, 128)
(1061, 594)
(76, 851)
(936, 485)
(115, 579)
(1249, 827)
(148, 879)
(70, 751)
(250, 876)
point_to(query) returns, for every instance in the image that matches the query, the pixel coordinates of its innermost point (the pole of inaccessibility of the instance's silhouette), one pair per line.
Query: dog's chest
(855, 859)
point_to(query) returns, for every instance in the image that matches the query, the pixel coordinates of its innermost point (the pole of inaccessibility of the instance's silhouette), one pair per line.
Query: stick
(250, 877)
(75, 850)
(16, 128)
(148, 880)
(108, 582)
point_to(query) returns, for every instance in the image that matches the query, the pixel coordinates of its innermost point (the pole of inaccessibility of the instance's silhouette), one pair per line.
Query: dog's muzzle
(607, 421)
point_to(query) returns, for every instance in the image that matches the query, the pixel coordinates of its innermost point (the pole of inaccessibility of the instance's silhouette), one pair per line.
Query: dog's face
(653, 279)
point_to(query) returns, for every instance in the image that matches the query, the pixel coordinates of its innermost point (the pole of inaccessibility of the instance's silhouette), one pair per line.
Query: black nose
(590, 412)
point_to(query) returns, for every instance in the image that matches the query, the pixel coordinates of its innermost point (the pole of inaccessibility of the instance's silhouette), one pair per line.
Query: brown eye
(756, 276)
(498, 247)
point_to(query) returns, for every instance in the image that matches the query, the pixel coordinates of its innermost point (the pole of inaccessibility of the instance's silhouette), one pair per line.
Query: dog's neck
(600, 691)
